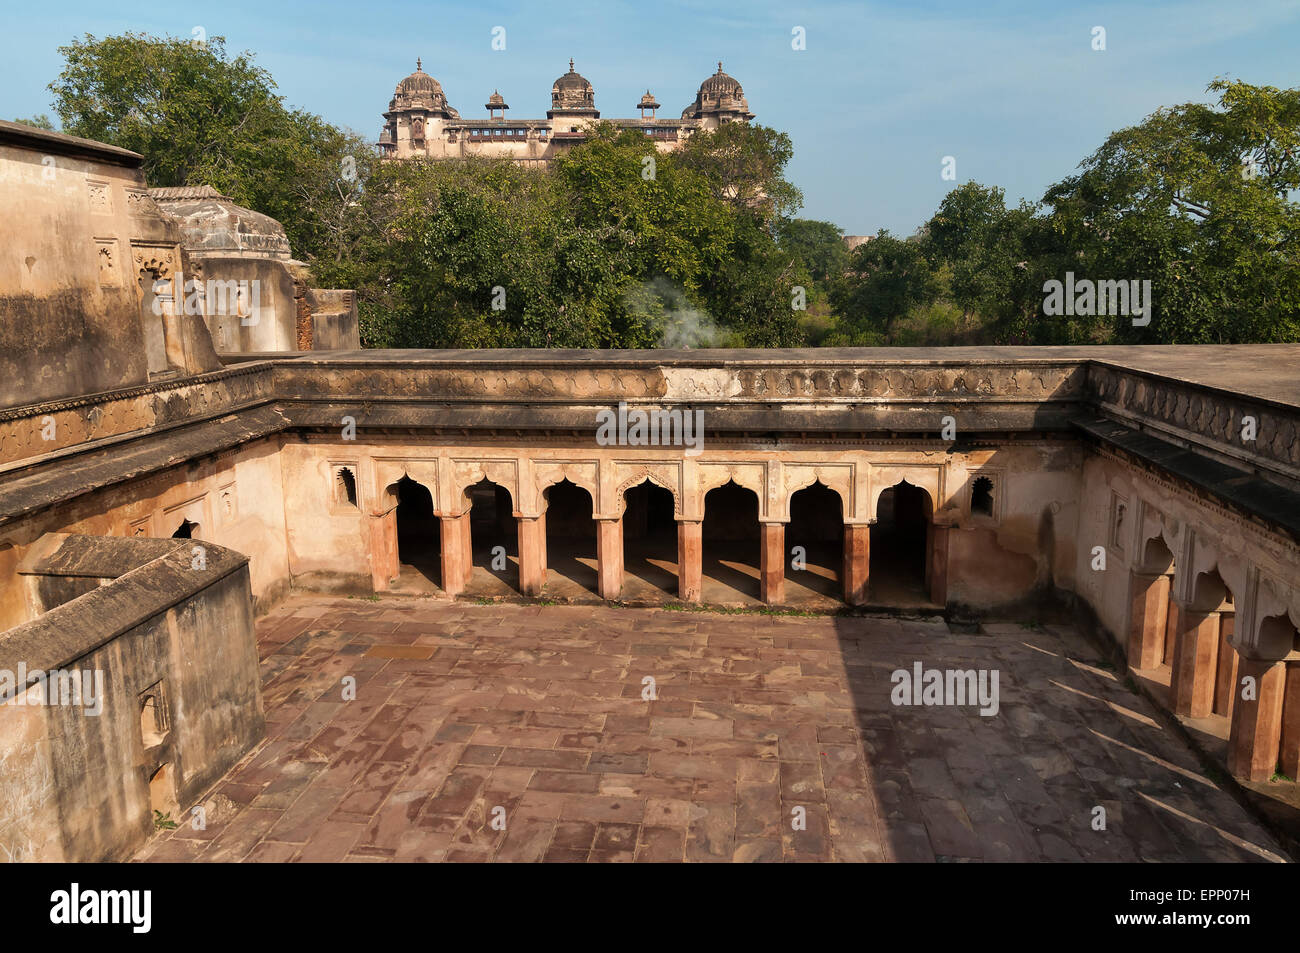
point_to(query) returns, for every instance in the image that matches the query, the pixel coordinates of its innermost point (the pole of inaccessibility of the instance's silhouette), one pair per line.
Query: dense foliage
(620, 246)
(1199, 200)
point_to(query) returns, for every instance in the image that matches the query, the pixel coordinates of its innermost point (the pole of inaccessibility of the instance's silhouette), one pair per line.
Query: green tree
(1200, 200)
(40, 121)
(819, 245)
(887, 277)
(744, 165)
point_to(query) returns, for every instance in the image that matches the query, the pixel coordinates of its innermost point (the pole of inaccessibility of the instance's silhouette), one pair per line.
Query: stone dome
(719, 94)
(214, 225)
(572, 91)
(419, 90)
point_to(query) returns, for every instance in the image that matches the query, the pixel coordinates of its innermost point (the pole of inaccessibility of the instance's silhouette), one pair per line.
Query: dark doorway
(570, 540)
(899, 544)
(731, 544)
(419, 536)
(649, 542)
(185, 530)
(494, 539)
(817, 527)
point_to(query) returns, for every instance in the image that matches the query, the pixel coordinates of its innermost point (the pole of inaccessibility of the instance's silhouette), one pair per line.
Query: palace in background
(421, 124)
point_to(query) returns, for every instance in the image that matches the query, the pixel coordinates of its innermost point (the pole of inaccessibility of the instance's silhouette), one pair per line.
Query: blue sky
(883, 91)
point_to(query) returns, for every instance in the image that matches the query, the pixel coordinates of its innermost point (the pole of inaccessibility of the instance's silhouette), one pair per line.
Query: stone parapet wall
(167, 650)
(1238, 428)
(38, 432)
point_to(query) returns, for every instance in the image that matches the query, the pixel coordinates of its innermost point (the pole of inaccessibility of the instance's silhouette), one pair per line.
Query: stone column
(690, 560)
(467, 547)
(541, 531)
(609, 558)
(1290, 756)
(1257, 722)
(532, 569)
(1195, 653)
(1225, 673)
(1173, 626)
(938, 575)
(857, 563)
(771, 572)
(1149, 603)
(453, 533)
(384, 560)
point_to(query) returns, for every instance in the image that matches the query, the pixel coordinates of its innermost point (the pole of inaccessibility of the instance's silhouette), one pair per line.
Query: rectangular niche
(987, 488)
(109, 267)
(155, 714)
(343, 489)
(1119, 521)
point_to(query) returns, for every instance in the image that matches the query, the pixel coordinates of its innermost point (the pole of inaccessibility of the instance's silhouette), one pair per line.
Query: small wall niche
(981, 497)
(155, 719)
(344, 486)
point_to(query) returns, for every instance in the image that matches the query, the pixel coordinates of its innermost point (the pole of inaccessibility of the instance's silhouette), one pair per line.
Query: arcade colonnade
(1224, 637)
(857, 483)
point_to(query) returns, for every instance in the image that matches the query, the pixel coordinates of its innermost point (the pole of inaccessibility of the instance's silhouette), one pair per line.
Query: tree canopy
(619, 245)
(1199, 200)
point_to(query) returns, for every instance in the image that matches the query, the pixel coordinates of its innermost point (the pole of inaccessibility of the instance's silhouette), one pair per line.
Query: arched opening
(814, 545)
(1209, 592)
(649, 542)
(900, 540)
(981, 497)
(730, 539)
(1153, 615)
(345, 486)
(494, 540)
(1202, 663)
(1278, 637)
(185, 530)
(419, 535)
(570, 541)
(152, 722)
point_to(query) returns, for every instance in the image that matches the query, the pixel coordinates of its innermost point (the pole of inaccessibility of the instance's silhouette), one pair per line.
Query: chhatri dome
(719, 95)
(572, 92)
(420, 90)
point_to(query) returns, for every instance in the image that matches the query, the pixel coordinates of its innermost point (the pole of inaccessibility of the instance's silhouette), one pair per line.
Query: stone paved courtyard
(462, 708)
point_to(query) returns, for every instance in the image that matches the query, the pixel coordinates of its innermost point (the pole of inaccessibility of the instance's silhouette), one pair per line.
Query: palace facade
(421, 123)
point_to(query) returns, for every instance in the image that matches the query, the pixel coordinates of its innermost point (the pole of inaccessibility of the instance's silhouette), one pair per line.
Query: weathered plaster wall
(75, 779)
(1261, 568)
(236, 500)
(79, 227)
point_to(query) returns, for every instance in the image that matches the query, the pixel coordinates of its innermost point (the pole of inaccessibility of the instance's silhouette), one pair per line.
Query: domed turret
(571, 93)
(420, 91)
(720, 98)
